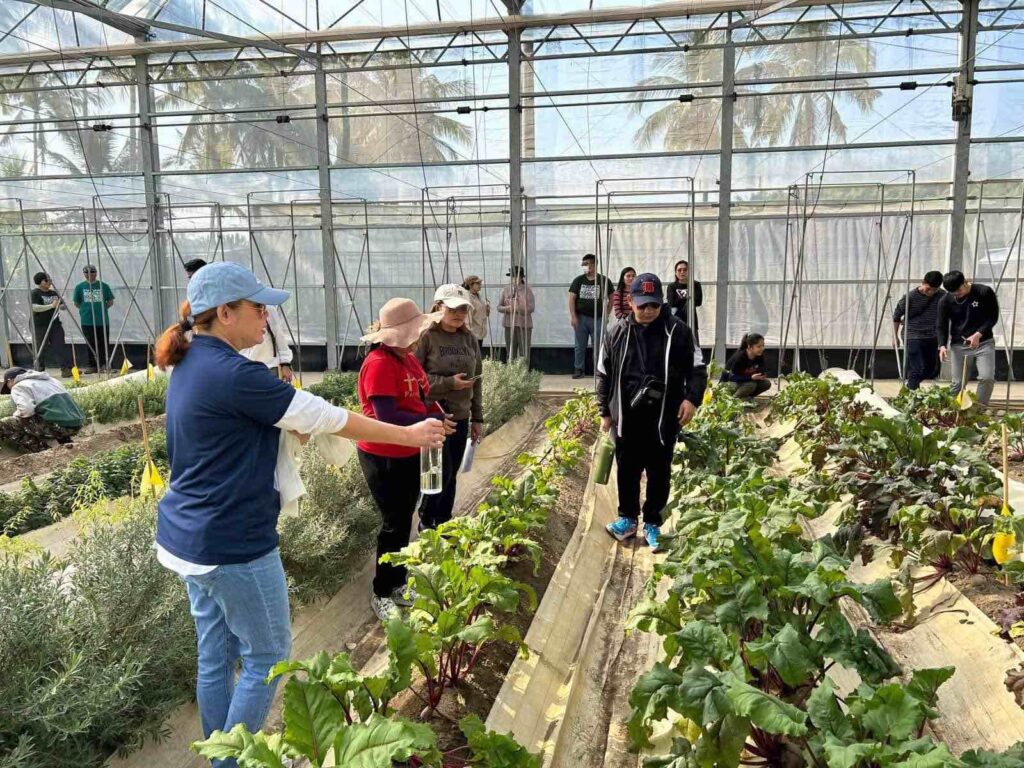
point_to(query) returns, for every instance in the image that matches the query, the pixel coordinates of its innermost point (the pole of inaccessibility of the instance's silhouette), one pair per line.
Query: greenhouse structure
(511, 383)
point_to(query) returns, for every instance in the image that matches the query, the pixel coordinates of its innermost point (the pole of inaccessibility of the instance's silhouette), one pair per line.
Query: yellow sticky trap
(76, 375)
(964, 400)
(707, 396)
(150, 372)
(296, 382)
(125, 366)
(152, 484)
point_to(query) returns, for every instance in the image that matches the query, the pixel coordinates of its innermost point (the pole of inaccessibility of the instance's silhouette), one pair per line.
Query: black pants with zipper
(436, 508)
(638, 451)
(395, 487)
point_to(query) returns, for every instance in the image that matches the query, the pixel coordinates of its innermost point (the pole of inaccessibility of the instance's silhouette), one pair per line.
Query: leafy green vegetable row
(751, 624)
(109, 403)
(929, 491)
(336, 716)
(84, 480)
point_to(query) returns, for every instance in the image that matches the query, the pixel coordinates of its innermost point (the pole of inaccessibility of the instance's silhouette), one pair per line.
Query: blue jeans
(584, 334)
(241, 614)
(922, 361)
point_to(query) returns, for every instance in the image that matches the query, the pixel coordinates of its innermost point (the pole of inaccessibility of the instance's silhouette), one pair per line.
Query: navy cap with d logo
(647, 290)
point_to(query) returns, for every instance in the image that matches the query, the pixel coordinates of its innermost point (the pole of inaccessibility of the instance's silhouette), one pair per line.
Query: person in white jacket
(43, 411)
(273, 351)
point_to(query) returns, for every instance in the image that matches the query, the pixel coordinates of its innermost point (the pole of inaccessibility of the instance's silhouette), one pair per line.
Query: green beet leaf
(788, 653)
(380, 741)
(892, 714)
(495, 750)
(312, 717)
(767, 712)
(825, 714)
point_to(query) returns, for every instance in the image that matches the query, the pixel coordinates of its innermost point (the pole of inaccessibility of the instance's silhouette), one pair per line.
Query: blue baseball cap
(647, 290)
(226, 281)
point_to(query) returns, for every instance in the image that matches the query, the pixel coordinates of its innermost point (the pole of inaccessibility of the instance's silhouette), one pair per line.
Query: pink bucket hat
(401, 324)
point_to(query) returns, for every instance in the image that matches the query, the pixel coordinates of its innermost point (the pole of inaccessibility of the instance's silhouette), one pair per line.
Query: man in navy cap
(647, 389)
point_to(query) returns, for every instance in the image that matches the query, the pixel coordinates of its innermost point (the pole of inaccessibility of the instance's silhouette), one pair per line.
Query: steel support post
(515, 145)
(150, 151)
(963, 103)
(725, 197)
(326, 216)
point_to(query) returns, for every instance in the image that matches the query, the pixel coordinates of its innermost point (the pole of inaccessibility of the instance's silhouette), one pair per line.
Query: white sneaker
(384, 607)
(398, 597)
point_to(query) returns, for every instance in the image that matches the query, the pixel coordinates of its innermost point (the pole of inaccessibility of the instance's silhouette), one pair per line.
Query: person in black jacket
(967, 314)
(646, 389)
(678, 297)
(746, 371)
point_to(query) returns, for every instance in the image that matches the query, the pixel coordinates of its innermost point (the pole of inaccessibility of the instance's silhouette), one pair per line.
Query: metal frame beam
(515, 145)
(963, 94)
(216, 41)
(150, 160)
(724, 197)
(326, 217)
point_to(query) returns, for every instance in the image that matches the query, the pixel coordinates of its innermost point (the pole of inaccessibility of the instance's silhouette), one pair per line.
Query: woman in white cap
(451, 357)
(217, 524)
(393, 389)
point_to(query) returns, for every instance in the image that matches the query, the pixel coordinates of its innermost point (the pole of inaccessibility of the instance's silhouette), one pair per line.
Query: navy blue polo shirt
(222, 506)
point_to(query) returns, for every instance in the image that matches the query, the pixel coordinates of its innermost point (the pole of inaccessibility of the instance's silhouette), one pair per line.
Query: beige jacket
(478, 317)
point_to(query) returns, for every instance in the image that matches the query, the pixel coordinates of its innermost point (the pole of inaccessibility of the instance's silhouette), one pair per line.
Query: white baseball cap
(453, 296)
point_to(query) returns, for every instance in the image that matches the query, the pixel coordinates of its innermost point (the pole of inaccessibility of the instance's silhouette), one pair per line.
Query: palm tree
(427, 137)
(676, 126)
(768, 120)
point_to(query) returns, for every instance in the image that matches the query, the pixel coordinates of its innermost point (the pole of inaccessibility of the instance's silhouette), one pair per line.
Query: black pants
(922, 361)
(96, 341)
(53, 351)
(436, 508)
(639, 451)
(395, 487)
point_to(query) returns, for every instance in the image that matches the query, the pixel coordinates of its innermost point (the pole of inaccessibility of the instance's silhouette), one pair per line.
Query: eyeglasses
(260, 308)
(649, 307)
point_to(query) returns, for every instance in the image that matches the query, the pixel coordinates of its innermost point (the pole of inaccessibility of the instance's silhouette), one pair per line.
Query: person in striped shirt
(918, 312)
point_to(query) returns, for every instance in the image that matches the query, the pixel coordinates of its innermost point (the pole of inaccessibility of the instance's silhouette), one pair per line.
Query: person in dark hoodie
(43, 411)
(967, 314)
(647, 388)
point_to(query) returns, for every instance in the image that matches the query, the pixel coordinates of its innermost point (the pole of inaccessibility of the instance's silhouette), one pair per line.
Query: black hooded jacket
(631, 352)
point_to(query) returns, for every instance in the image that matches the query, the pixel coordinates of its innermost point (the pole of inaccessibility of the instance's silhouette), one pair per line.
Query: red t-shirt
(384, 374)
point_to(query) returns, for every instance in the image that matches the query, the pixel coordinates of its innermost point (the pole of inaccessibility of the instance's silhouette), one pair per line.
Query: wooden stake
(1006, 485)
(963, 375)
(145, 432)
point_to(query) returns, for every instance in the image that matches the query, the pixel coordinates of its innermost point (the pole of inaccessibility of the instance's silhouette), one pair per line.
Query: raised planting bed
(750, 613)
(344, 621)
(568, 700)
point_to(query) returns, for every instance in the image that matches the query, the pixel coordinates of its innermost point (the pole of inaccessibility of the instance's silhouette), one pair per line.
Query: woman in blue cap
(217, 524)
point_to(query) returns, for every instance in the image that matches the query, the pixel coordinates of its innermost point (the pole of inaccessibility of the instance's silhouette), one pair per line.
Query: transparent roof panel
(25, 27)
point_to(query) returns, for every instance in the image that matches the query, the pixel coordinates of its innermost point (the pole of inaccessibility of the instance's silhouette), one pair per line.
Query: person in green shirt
(94, 298)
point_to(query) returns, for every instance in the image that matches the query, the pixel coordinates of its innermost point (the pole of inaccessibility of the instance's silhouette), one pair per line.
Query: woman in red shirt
(393, 388)
(622, 305)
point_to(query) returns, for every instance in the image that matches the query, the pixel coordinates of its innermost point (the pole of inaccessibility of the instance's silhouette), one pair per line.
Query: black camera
(651, 392)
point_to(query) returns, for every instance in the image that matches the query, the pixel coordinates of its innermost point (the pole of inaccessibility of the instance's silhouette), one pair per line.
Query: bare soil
(990, 595)
(36, 465)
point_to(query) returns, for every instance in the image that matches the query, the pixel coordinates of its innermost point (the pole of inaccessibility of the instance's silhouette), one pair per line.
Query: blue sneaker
(623, 528)
(652, 534)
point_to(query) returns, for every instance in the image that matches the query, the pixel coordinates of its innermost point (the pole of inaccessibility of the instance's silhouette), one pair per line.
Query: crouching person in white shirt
(43, 411)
